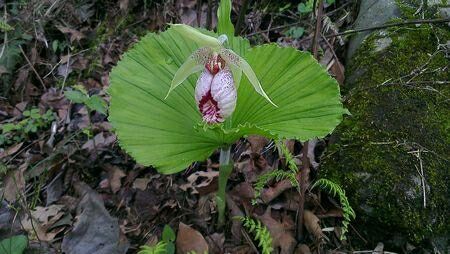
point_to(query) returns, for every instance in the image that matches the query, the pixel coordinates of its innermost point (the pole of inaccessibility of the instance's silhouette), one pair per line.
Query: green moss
(374, 157)
(416, 9)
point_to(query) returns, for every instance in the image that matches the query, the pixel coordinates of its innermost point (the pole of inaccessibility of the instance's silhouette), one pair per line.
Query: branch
(405, 23)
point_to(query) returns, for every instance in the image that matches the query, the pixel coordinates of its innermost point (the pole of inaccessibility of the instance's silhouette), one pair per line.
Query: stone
(392, 155)
(372, 13)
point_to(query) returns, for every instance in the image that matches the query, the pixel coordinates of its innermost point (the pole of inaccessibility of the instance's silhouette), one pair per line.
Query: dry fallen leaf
(189, 239)
(257, 143)
(282, 238)
(14, 183)
(40, 224)
(311, 223)
(199, 180)
(115, 174)
(36, 231)
(302, 249)
(11, 150)
(75, 35)
(141, 183)
(47, 216)
(215, 242)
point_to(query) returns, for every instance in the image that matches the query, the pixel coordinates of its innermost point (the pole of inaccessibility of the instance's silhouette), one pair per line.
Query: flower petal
(235, 60)
(193, 64)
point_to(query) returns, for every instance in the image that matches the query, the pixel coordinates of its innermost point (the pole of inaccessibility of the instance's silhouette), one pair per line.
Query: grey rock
(95, 232)
(372, 13)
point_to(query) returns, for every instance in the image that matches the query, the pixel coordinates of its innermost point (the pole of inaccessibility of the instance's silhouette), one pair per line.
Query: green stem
(225, 168)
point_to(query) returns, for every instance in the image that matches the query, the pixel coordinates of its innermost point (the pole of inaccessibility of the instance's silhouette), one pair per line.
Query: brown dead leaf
(115, 175)
(11, 150)
(302, 249)
(215, 242)
(14, 183)
(236, 225)
(75, 35)
(37, 231)
(257, 143)
(141, 183)
(189, 239)
(47, 216)
(338, 71)
(243, 190)
(312, 224)
(199, 181)
(100, 140)
(282, 238)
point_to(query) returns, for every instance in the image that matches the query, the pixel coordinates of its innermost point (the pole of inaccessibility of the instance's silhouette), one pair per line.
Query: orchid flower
(216, 91)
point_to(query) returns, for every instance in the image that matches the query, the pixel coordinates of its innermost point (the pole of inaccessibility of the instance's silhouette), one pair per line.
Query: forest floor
(64, 178)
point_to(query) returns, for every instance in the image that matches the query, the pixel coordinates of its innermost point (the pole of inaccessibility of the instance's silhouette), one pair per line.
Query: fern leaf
(5, 27)
(159, 248)
(260, 232)
(336, 190)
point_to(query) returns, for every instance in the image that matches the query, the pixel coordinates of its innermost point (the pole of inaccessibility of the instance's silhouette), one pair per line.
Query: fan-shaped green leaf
(168, 134)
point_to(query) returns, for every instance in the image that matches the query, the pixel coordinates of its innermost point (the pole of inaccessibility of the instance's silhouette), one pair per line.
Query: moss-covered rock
(392, 155)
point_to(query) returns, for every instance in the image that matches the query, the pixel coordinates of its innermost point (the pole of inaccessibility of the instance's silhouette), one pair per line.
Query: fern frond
(260, 232)
(278, 174)
(336, 190)
(5, 27)
(159, 248)
(288, 156)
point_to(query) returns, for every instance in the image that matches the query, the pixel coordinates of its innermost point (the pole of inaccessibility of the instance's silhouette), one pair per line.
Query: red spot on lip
(209, 109)
(215, 64)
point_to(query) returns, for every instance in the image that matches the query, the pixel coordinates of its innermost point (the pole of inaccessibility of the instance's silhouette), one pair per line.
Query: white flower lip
(216, 95)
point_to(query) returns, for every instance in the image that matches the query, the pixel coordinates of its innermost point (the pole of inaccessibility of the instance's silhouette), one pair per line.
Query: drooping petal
(193, 34)
(193, 64)
(224, 92)
(234, 59)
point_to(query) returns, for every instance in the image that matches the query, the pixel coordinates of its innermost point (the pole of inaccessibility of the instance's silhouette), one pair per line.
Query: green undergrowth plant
(4, 26)
(92, 103)
(14, 245)
(158, 248)
(167, 115)
(32, 122)
(335, 190)
(259, 232)
(165, 246)
(278, 174)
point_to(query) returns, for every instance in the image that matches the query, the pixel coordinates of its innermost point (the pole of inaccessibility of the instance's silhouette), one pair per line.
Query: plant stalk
(225, 169)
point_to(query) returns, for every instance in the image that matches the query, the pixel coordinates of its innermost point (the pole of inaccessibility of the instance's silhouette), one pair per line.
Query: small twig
(418, 155)
(315, 44)
(32, 67)
(405, 23)
(274, 28)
